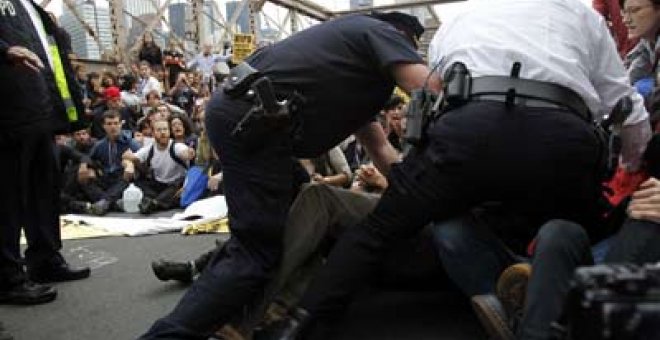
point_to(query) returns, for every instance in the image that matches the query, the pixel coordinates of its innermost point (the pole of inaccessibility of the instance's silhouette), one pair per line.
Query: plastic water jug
(131, 199)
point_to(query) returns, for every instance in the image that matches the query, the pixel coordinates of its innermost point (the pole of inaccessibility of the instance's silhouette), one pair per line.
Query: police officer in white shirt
(529, 79)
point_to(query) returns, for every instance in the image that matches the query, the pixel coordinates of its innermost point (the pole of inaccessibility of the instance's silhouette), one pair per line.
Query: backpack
(173, 155)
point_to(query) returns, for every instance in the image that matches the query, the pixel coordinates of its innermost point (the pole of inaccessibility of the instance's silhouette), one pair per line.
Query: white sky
(445, 11)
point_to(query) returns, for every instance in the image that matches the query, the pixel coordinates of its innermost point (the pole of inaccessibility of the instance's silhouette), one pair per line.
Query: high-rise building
(177, 18)
(358, 4)
(242, 24)
(98, 18)
(140, 7)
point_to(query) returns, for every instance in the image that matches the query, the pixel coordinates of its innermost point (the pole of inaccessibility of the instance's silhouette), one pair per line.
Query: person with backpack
(163, 168)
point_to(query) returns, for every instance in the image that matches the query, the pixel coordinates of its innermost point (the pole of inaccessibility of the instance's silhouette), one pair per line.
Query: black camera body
(615, 301)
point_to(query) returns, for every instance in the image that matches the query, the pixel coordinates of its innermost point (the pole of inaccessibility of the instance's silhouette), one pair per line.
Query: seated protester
(82, 141)
(163, 165)
(113, 102)
(151, 101)
(392, 115)
(164, 108)
(144, 133)
(73, 167)
(330, 168)
(318, 216)
(182, 131)
(207, 158)
(147, 83)
(109, 184)
(354, 152)
(182, 94)
(130, 97)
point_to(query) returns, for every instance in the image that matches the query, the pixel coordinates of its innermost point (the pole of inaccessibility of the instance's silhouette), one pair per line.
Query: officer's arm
(379, 149)
(414, 76)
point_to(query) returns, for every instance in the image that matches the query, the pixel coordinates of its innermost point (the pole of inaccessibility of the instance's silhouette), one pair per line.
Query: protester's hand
(21, 56)
(645, 204)
(214, 183)
(83, 173)
(368, 175)
(129, 173)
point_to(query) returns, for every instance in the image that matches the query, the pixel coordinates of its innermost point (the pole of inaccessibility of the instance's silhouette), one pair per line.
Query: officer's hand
(645, 204)
(368, 175)
(21, 56)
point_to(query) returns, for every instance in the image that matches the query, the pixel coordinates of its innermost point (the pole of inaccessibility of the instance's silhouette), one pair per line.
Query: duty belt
(528, 93)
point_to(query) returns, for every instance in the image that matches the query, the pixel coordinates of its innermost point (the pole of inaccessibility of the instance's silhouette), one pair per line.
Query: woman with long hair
(149, 51)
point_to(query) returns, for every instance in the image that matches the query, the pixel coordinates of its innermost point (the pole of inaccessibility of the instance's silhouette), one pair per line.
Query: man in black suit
(40, 98)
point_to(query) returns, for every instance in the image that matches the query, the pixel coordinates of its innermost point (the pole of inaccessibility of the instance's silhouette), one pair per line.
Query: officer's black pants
(258, 189)
(541, 162)
(29, 200)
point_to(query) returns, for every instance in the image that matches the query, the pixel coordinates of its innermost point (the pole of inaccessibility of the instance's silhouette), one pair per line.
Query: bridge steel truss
(300, 15)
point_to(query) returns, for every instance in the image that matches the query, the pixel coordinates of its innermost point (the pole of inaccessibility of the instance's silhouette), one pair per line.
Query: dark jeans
(29, 200)
(637, 242)
(163, 193)
(539, 161)
(109, 187)
(258, 186)
(474, 257)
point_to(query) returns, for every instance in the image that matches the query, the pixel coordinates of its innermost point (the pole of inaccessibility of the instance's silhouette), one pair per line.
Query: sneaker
(500, 313)
(511, 291)
(169, 270)
(147, 206)
(100, 207)
(80, 207)
(491, 315)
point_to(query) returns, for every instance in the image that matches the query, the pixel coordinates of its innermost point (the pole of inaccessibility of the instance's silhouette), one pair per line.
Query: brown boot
(501, 313)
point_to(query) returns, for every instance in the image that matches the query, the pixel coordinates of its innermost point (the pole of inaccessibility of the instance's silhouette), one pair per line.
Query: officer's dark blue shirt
(343, 68)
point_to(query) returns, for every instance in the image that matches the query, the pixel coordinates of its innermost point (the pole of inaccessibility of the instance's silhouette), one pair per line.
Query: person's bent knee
(450, 237)
(561, 235)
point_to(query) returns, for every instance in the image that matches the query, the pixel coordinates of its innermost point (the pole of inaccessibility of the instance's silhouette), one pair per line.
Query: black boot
(289, 328)
(169, 270)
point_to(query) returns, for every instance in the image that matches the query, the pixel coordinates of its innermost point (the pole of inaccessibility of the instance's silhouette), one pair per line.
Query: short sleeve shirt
(343, 68)
(166, 170)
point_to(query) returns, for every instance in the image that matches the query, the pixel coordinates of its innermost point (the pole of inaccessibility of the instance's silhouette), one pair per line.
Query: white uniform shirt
(41, 31)
(557, 41)
(166, 169)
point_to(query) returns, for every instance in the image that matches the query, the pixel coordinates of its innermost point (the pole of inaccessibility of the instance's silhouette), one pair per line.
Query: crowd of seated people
(131, 115)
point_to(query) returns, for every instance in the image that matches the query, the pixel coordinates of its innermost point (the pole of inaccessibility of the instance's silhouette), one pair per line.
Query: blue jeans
(474, 257)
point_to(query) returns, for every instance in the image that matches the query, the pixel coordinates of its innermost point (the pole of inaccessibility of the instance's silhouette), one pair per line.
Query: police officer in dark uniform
(524, 81)
(330, 81)
(40, 98)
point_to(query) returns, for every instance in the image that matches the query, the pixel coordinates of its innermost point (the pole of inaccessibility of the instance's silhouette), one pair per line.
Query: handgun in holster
(417, 118)
(610, 129)
(267, 114)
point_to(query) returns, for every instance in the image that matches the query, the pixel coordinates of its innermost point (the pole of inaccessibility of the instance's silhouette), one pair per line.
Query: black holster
(268, 115)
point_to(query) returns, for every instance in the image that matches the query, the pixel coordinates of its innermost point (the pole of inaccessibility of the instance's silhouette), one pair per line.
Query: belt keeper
(510, 98)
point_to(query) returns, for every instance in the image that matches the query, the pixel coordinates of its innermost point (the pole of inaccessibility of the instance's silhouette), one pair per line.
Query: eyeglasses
(633, 10)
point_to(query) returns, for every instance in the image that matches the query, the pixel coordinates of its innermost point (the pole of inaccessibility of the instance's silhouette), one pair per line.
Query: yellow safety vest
(60, 79)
